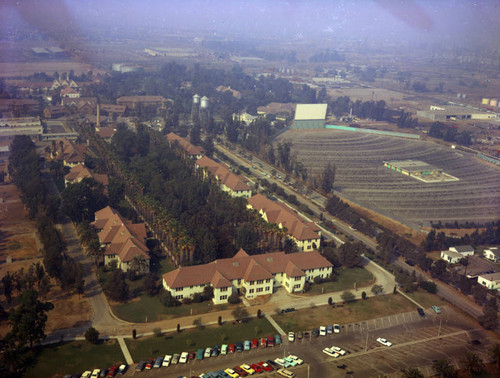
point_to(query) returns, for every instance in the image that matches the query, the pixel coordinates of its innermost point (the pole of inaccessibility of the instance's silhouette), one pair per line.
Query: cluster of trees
(326, 56)
(436, 241)
(24, 167)
(450, 134)
(81, 200)
(348, 254)
(466, 224)
(376, 110)
(338, 208)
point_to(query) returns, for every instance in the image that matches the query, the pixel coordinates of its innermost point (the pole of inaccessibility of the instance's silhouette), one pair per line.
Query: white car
(340, 351)
(208, 353)
(167, 360)
(322, 331)
(184, 357)
(298, 360)
(95, 373)
(331, 352)
(384, 342)
(86, 374)
(336, 328)
(291, 336)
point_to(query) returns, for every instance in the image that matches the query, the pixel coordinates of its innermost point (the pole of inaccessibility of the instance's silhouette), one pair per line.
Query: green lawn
(373, 307)
(426, 299)
(74, 357)
(345, 281)
(191, 340)
(149, 309)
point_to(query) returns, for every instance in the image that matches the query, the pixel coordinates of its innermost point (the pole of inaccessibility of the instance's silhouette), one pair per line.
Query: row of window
(259, 290)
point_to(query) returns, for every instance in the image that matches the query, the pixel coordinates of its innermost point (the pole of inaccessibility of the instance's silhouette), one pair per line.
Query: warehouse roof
(310, 111)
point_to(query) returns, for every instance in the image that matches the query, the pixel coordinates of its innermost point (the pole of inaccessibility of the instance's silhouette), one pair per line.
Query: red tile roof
(221, 272)
(190, 149)
(279, 213)
(79, 172)
(221, 172)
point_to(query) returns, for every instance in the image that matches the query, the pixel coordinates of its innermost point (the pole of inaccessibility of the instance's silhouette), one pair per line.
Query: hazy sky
(463, 21)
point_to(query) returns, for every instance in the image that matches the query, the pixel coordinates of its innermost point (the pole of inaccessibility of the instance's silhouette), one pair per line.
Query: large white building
(251, 276)
(490, 281)
(310, 116)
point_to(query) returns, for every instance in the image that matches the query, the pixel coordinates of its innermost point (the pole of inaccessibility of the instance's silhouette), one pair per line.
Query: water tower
(195, 110)
(204, 112)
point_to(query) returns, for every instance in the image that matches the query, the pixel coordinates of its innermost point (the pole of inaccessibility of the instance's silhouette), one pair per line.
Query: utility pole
(366, 344)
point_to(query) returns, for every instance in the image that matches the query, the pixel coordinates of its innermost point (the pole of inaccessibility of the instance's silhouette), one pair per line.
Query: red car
(255, 344)
(149, 364)
(240, 371)
(231, 348)
(192, 355)
(270, 341)
(258, 369)
(265, 366)
(112, 371)
(263, 342)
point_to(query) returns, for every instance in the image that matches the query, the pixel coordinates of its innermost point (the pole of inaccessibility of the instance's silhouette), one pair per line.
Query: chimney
(98, 123)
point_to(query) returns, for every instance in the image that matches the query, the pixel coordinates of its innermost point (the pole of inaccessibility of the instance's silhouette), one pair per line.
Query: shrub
(157, 331)
(186, 301)
(197, 298)
(234, 298)
(429, 286)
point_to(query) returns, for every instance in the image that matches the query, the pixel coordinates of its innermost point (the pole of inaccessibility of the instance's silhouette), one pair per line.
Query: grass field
(75, 357)
(373, 307)
(345, 281)
(191, 340)
(426, 299)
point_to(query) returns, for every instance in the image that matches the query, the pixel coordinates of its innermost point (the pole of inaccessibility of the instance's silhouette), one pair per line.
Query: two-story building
(235, 185)
(251, 276)
(307, 235)
(122, 240)
(189, 150)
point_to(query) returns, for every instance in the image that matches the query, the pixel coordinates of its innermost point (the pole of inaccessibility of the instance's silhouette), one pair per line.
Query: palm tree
(495, 354)
(412, 373)
(95, 251)
(139, 264)
(473, 364)
(444, 369)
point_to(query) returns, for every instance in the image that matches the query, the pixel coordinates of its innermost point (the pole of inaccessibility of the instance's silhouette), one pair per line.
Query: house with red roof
(124, 242)
(307, 235)
(251, 276)
(231, 183)
(79, 172)
(189, 150)
(70, 153)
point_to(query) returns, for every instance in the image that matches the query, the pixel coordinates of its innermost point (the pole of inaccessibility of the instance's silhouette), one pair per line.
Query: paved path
(125, 351)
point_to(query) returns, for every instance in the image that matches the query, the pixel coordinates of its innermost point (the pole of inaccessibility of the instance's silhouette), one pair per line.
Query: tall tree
(29, 318)
(444, 369)
(81, 200)
(473, 364)
(328, 178)
(412, 373)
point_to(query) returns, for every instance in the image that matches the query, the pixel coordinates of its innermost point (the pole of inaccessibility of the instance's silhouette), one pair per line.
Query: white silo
(204, 102)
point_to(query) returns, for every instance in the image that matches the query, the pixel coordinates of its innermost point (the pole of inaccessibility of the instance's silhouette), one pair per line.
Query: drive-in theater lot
(417, 342)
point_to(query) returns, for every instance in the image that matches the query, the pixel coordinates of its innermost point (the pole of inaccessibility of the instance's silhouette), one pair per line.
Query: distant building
(30, 126)
(70, 153)
(444, 113)
(455, 254)
(465, 250)
(490, 281)
(235, 93)
(235, 185)
(244, 117)
(132, 101)
(492, 254)
(310, 116)
(79, 172)
(123, 241)
(55, 111)
(18, 106)
(189, 150)
(306, 234)
(69, 92)
(252, 276)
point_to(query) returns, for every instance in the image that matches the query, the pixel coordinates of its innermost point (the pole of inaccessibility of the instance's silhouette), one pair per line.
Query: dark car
(315, 332)
(112, 371)
(240, 371)
(420, 311)
(140, 366)
(239, 347)
(272, 363)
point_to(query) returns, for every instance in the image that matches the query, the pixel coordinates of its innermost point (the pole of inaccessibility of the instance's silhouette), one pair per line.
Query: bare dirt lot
(19, 241)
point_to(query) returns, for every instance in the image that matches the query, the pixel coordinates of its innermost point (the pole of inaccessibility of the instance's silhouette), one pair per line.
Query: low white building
(464, 250)
(451, 257)
(251, 276)
(490, 281)
(492, 254)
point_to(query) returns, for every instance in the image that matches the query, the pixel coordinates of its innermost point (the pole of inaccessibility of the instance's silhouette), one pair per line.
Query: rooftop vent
(236, 263)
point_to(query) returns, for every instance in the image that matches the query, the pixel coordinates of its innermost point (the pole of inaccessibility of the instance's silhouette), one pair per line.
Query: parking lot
(417, 342)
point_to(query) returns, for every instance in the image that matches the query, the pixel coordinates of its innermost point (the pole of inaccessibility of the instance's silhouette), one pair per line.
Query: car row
(322, 331)
(102, 373)
(200, 354)
(334, 351)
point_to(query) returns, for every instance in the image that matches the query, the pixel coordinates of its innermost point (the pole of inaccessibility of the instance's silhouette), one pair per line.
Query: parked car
(384, 342)
(272, 363)
(208, 352)
(140, 366)
(215, 351)
(184, 358)
(315, 332)
(298, 360)
(270, 341)
(300, 335)
(339, 350)
(420, 311)
(122, 369)
(223, 349)
(175, 359)
(222, 374)
(286, 373)
(322, 331)
(336, 328)
(95, 373)
(158, 362)
(291, 362)
(248, 369)
(329, 329)
(277, 340)
(265, 366)
(255, 343)
(231, 373)
(112, 371)
(240, 371)
(239, 347)
(291, 336)
(436, 309)
(246, 345)
(149, 364)
(263, 342)
(86, 374)
(330, 352)
(231, 348)
(257, 368)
